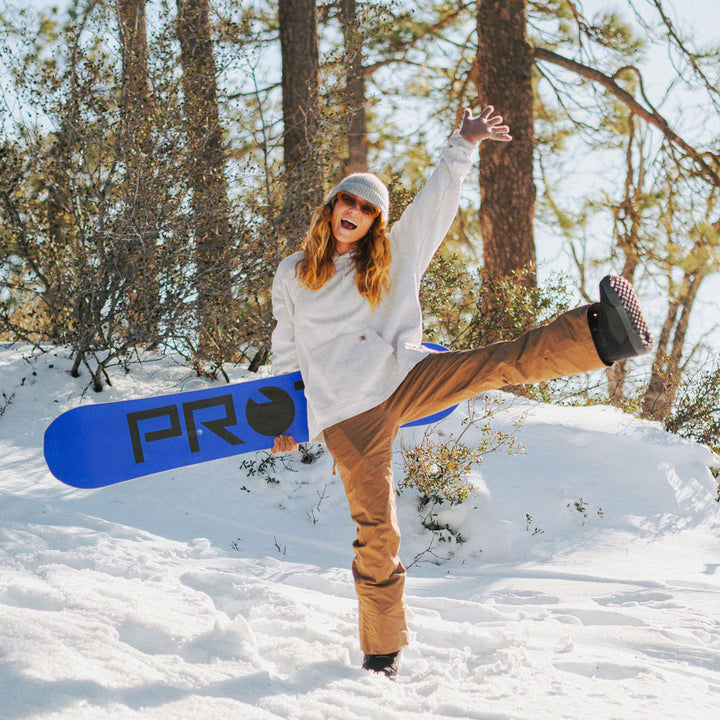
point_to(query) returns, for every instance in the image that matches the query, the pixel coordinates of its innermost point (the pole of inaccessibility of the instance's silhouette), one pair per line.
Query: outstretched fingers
(486, 126)
(495, 124)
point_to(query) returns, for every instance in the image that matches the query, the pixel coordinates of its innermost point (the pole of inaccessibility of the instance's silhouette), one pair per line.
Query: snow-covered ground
(587, 586)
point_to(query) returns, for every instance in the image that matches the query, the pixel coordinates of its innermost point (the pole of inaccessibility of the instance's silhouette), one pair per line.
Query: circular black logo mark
(271, 418)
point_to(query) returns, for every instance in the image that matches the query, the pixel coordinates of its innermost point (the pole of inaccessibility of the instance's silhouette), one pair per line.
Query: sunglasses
(350, 200)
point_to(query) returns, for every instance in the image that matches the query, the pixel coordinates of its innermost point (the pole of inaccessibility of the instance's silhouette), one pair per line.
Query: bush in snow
(439, 469)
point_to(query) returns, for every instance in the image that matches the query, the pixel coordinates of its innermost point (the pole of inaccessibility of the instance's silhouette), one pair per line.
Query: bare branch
(709, 170)
(679, 43)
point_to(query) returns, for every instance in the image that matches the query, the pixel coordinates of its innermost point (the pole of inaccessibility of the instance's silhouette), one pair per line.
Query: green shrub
(696, 411)
(438, 470)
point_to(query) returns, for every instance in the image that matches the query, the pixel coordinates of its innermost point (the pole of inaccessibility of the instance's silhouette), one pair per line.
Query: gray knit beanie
(367, 186)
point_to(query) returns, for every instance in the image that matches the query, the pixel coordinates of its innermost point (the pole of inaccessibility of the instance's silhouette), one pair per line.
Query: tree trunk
(141, 199)
(667, 371)
(506, 169)
(137, 103)
(627, 221)
(357, 140)
(304, 176)
(211, 215)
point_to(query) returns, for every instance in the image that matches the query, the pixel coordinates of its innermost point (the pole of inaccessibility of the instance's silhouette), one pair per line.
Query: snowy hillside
(588, 585)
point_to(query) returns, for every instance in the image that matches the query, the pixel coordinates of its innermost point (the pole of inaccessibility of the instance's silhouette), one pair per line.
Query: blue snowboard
(97, 445)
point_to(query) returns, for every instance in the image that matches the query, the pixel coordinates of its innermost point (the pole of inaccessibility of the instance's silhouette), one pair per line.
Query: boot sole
(618, 292)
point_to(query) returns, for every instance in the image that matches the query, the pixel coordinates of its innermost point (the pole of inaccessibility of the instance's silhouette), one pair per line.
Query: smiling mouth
(348, 224)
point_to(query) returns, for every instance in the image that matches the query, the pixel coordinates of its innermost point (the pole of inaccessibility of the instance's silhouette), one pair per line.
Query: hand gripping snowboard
(97, 445)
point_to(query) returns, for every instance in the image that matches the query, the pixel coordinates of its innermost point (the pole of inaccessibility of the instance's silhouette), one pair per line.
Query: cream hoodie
(351, 357)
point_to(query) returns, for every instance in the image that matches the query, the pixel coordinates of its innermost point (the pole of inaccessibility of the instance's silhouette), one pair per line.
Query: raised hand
(485, 126)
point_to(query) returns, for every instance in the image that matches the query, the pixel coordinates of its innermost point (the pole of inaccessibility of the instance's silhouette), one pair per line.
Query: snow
(587, 585)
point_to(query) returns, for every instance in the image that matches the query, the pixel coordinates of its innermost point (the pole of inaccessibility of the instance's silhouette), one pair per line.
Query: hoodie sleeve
(284, 354)
(425, 222)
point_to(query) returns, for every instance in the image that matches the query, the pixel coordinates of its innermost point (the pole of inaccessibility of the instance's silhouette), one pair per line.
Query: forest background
(158, 158)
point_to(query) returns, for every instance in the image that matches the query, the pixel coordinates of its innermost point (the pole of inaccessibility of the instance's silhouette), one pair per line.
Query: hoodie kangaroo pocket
(348, 364)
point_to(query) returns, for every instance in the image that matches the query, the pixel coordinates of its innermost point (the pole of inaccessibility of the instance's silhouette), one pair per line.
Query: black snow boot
(616, 322)
(386, 664)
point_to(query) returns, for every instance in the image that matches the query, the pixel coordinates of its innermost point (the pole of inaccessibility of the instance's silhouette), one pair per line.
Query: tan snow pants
(362, 449)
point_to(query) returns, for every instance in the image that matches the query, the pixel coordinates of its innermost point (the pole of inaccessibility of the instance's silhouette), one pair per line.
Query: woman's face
(351, 220)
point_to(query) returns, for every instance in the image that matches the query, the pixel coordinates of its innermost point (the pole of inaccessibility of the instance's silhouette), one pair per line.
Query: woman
(348, 316)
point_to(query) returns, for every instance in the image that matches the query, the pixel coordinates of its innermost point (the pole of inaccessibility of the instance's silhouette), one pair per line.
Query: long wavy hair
(371, 255)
